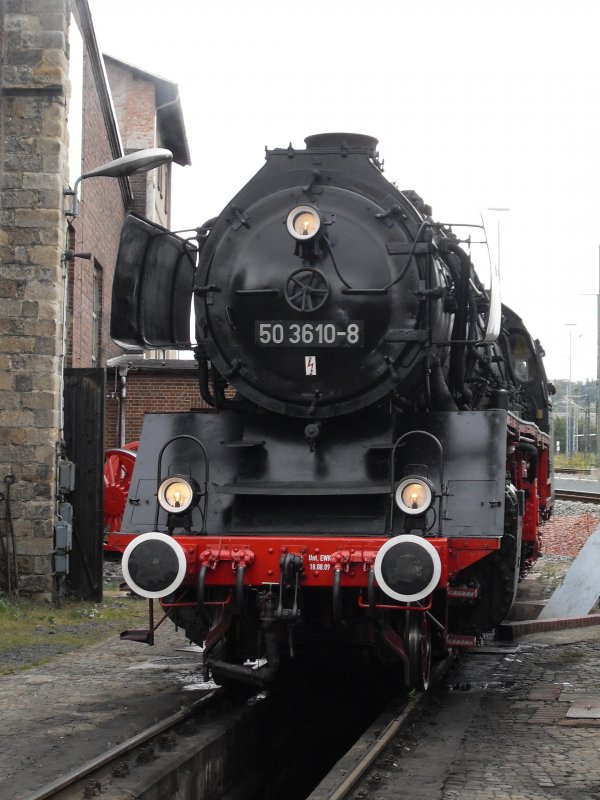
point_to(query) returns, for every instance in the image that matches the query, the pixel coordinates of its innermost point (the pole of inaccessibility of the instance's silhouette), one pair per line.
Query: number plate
(325, 333)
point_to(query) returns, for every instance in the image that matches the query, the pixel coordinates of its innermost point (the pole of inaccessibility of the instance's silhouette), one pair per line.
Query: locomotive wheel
(495, 577)
(131, 447)
(418, 649)
(118, 468)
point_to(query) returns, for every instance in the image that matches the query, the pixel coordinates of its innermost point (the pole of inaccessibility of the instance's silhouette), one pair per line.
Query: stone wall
(33, 173)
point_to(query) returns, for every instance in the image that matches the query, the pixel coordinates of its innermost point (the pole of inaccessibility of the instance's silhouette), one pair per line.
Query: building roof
(101, 82)
(169, 113)
(136, 361)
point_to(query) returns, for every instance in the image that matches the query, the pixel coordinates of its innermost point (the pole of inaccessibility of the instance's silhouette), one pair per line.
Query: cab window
(521, 357)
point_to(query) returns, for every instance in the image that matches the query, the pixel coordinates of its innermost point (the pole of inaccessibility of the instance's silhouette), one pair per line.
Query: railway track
(238, 745)
(577, 497)
(84, 781)
(341, 781)
(574, 471)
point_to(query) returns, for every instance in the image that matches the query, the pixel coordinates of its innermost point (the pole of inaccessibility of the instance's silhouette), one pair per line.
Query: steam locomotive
(374, 466)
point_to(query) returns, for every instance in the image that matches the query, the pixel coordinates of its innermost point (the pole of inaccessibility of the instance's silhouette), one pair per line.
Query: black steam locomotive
(374, 465)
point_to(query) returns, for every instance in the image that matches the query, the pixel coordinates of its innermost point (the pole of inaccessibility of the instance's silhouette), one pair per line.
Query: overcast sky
(475, 105)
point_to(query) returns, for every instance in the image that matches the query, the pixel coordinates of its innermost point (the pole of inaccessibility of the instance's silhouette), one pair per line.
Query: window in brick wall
(97, 314)
(163, 181)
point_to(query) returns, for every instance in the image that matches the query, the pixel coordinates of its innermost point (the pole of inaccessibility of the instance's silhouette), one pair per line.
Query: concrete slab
(581, 587)
(524, 609)
(588, 709)
(507, 631)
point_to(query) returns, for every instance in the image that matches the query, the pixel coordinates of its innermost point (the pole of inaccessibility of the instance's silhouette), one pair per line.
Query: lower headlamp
(177, 493)
(414, 495)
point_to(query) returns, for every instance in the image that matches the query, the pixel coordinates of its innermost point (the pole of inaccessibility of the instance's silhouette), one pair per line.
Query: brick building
(147, 114)
(57, 122)
(138, 385)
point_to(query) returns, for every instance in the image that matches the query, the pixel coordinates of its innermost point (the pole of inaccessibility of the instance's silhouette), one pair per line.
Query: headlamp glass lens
(413, 496)
(175, 495)
(303, 222)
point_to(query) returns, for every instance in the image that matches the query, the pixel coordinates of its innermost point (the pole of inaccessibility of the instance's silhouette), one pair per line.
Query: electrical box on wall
(61, 563)
(63, 542)
(65, 512)
(66, 477)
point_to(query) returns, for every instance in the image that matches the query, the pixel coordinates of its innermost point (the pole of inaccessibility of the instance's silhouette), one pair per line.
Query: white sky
(475, 105)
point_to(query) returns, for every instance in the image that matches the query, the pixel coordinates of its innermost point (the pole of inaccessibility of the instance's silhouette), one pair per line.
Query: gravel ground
(112, 568)
(562, 539)
(29, 655)
(570, 528)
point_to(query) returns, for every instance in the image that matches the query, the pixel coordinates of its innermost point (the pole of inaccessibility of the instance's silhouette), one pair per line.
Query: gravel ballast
(570, 528)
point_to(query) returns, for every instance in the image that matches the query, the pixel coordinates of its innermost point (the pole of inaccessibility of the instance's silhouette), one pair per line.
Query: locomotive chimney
(341, 141)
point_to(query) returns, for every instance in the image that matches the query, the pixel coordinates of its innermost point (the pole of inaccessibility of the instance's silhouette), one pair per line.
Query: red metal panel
(260, 555)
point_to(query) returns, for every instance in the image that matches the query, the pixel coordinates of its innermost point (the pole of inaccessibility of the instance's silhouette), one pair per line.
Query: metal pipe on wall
(122, 397)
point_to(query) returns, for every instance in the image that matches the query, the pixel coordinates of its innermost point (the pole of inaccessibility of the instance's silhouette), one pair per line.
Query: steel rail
(119, 750)
(375, 750)
(573, 471)
(577, 497)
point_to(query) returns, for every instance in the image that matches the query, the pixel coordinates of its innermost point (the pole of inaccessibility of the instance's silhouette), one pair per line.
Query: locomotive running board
(142, 635)
(464, 592)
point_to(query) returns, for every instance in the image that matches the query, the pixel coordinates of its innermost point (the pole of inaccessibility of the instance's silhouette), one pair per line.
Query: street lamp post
(139, 161)
(569, 435)
(598, 366)
(597, 295)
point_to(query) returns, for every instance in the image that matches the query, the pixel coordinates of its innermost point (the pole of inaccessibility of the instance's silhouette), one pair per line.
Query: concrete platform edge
(510, 630)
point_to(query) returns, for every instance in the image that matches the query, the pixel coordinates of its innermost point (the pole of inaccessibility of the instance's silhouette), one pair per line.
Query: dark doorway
(84, 443)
